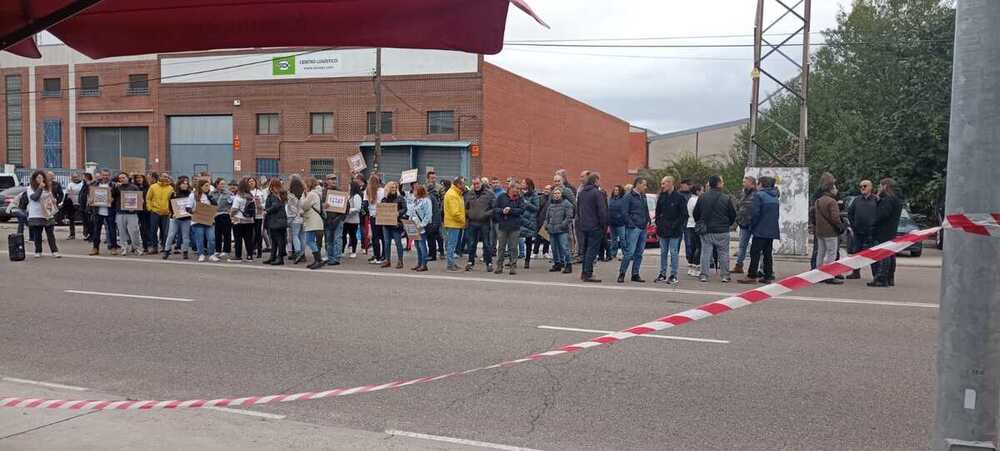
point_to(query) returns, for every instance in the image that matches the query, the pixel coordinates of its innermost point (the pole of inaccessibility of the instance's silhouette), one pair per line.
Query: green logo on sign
(283, 65)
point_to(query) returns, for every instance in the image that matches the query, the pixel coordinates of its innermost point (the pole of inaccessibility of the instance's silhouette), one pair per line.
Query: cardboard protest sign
(357, 162)
(411, 229)
(179, 206)
(133, 165)
(543, 233)
(336, 202)
(204, 214)
(409, 176)
(132, 200)
(387, 214)
(100, 196)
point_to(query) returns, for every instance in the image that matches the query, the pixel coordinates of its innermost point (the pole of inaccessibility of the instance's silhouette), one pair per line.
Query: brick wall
(531, 131)
(638, 154)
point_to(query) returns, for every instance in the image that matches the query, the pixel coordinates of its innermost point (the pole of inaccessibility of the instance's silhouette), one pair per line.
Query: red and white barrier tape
(860, 260)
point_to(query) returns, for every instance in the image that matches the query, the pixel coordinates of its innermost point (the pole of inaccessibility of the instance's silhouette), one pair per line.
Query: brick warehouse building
(235, 113)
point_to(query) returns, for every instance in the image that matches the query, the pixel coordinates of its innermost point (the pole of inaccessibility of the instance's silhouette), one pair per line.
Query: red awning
(132, 27)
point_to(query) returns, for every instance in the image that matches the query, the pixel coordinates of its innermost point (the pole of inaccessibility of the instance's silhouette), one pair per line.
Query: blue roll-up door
(448, 162)
(201, 143)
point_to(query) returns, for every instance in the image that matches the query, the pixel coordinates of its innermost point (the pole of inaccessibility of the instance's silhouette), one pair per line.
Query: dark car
(906, 225)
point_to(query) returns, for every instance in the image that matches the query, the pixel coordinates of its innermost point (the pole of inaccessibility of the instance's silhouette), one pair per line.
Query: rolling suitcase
(15, 247)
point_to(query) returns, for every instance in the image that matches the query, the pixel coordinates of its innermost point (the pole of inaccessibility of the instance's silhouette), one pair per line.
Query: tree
(879, 98)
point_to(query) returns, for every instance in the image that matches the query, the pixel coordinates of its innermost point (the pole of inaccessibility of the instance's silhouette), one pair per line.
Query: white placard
(409, 176)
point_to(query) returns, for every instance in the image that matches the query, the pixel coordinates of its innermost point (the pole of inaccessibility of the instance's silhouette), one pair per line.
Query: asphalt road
(831, 368)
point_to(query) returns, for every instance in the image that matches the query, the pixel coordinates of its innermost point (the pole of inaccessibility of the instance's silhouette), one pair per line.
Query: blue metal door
(53, 143)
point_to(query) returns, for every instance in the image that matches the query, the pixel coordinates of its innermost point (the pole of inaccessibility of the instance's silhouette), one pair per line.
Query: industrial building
(707, 142)
(234, 113)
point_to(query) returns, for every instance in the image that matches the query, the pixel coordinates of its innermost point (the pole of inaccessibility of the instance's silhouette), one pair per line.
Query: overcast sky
(664, 89)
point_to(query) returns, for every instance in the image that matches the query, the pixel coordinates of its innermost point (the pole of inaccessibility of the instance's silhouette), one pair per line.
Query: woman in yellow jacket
(158, 204)
(454, 219)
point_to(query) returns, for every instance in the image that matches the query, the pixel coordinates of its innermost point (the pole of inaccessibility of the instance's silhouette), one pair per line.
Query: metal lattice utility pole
(968, 359)
(759, 117)
(378, 111)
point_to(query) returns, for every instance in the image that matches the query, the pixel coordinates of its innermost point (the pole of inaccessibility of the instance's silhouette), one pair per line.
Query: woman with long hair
(223, 222)
(180, 227)
(259, 195)
(393, 233)
(41, 209)
(243, 212)
(353, 219)
(293, 213)
(373, 195)
(202, 234)
(617, 209)
(312, 220)
(529, 220)
(140, 182)
(423, 212)
(276, 221)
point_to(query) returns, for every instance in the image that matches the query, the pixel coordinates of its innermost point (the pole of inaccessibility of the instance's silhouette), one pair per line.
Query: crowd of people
(500, 223)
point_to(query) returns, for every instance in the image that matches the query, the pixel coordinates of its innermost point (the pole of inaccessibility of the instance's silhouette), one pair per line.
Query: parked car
(9, 198)
(8, 181)
(651, 239)
(906, 225)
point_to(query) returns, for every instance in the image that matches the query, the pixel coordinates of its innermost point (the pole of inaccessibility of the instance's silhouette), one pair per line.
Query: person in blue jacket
(764, 226)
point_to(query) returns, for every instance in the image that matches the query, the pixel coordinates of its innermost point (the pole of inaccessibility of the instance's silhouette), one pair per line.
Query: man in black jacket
(671, 219)
(890, 206)
(862, 215)
(435, 239)
(743, 217)
(636, 220)
(507, 214)
(593, 209)
(716, 214)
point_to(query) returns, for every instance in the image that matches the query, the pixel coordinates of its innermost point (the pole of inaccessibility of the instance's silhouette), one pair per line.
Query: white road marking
(124, 295)
(459, 441)
(927, 304)
(666, 337)
(270, 416)
(43, 384)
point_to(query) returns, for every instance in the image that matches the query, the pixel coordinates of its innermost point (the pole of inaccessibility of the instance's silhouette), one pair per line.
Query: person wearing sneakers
(102, 216)
(671, 219)
(158, 204)
(765, 213)
(692, 242)
(203, 235)
(312, 220)
(423, 213)
(507, 215)
(636, 220)
(242, 213)
(293, 213)
(454, 221)
(353, 219)
(41, 207)
(480, 202)
(558, 221)
(180, 226)
(392, 234)
(223, 222)
(127, 218)
(716, 211)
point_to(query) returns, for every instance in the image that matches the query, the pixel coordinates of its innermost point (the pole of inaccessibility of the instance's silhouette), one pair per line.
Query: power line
(660, 38)
(653, 57)
(699, 46)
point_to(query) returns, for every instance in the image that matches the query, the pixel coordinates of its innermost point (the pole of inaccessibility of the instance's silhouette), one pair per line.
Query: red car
(651, 238)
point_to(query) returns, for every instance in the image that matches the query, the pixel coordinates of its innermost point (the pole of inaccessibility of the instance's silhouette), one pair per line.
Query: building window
(268, 124)
(90, 86)
(320, 168)
(386, 122)
(51, 87)
(53, 143)
(12, 99)
(440, 122)
(322, 123)
(267, 167)
(138, 85)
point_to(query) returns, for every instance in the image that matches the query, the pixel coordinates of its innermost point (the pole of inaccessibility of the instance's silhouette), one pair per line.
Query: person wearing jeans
(507, 216)
(393, 233)
(39, 205)
(716, 213)
(158, 205)
(743, 218)
(617, 208)
(828, 228)
(636, 220)
(671, 220)
(558, 221)
(765, 214)
(423, 213)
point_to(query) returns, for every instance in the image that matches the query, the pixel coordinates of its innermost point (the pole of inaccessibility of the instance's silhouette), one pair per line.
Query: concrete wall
(705, 142)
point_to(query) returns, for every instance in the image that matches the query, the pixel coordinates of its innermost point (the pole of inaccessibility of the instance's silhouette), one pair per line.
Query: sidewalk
(930, 259)
(43, 429)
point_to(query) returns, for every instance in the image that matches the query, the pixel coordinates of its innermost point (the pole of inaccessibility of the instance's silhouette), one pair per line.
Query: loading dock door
(201, 143)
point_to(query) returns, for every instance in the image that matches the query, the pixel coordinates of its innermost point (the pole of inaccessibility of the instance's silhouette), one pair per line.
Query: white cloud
(657, 89)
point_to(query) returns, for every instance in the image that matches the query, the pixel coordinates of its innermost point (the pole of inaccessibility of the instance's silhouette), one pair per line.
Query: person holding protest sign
(392, 233)
(242, 214)
(40, 205)
(203, 229)
(333, 220)
(180, 218)
(128, 199)
(98, 197)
